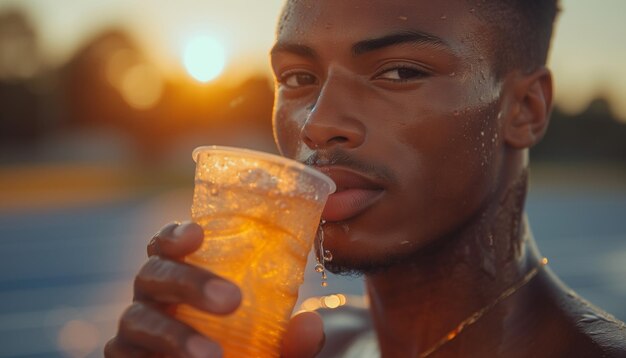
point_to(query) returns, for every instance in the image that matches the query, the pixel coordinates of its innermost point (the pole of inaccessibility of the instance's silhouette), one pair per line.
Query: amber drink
(260, 213)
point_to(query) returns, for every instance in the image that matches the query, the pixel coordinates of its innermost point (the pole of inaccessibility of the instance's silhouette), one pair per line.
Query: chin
(360, 249)
(352, 264)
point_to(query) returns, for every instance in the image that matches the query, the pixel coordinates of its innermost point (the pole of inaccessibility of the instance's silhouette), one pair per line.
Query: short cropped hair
(522, 31)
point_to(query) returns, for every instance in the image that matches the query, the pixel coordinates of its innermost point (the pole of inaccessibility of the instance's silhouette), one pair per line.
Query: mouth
(355, 194)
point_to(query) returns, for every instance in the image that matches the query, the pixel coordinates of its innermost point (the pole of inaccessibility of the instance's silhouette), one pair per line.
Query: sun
(204, 58)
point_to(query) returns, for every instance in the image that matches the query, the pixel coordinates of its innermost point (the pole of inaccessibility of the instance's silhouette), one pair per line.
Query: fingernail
(167, 232)
(199, 347)
(224, 295)
(180, 229)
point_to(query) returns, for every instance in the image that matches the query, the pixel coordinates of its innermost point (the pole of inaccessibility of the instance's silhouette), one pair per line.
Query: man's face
(397, 102)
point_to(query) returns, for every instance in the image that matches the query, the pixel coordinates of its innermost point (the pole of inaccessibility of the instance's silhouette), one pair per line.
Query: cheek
(464, 140)
(456, 167)
(457, 138)
(286, 130)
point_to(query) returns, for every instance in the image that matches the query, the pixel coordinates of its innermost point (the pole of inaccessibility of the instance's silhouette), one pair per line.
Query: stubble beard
(375, 265)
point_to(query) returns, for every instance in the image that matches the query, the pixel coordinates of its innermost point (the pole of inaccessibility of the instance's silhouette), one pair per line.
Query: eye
(298, 79)
(402, 74)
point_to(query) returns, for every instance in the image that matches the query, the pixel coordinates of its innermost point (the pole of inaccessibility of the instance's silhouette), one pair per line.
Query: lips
(355, 194)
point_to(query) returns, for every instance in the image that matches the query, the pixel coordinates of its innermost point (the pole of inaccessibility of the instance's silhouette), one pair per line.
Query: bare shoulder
(606, 333)
(596, 333)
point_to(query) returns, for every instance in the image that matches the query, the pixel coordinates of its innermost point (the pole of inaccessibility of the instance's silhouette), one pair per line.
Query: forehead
(454, 21)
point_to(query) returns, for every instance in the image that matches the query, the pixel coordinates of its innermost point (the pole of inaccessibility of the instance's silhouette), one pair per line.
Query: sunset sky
(588, 56)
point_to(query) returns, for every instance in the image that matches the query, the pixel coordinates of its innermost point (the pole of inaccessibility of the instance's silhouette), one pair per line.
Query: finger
(176, 240)
(143, 327)
(165, 281)
(153, 247)
(115, 348)
(304, 336)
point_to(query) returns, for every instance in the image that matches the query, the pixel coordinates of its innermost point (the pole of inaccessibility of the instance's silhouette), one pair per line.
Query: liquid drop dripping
(322, 255)
(319, 268)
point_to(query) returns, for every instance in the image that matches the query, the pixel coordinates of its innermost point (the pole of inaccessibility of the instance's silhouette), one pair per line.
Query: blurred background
(101, 103)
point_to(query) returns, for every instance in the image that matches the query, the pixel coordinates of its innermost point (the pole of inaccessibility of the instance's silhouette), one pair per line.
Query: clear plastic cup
(260, 213)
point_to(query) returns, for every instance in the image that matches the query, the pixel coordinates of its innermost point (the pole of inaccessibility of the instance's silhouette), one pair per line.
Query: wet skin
(410, 97)
(398, 103)
(429, 150)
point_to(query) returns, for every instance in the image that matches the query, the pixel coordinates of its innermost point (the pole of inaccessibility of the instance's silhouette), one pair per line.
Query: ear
(529, 108)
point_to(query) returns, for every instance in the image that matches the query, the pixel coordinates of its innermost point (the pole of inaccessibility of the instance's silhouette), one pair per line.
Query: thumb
(304, 337)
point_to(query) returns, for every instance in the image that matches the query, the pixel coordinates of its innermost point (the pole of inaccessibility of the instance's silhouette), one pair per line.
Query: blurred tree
(93, 79)
(22, 116)
(111, 83)
(19, 53)
(592, 135)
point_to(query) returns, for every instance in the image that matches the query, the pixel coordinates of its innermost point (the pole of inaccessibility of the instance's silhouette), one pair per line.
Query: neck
(415, 304)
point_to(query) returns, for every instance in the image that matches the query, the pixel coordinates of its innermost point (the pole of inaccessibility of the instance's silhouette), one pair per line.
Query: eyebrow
(414, 37)
(369, 45)
(302, 50)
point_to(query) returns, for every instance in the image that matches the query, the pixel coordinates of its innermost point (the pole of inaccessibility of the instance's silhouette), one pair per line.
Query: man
(422, 112)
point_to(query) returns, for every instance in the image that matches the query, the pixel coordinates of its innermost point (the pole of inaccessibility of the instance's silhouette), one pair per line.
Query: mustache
(342, 158)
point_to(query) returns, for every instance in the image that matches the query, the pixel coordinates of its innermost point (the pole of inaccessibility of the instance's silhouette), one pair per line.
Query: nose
(334, 117)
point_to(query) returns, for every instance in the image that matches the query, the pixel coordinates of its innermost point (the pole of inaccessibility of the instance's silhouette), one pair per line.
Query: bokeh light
(78, 338)
(204, 58)
(118, 62)
(331, 301)
(142, 86)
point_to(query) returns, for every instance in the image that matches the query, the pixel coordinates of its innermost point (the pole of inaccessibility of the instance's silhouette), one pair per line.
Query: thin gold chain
(478, 314)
